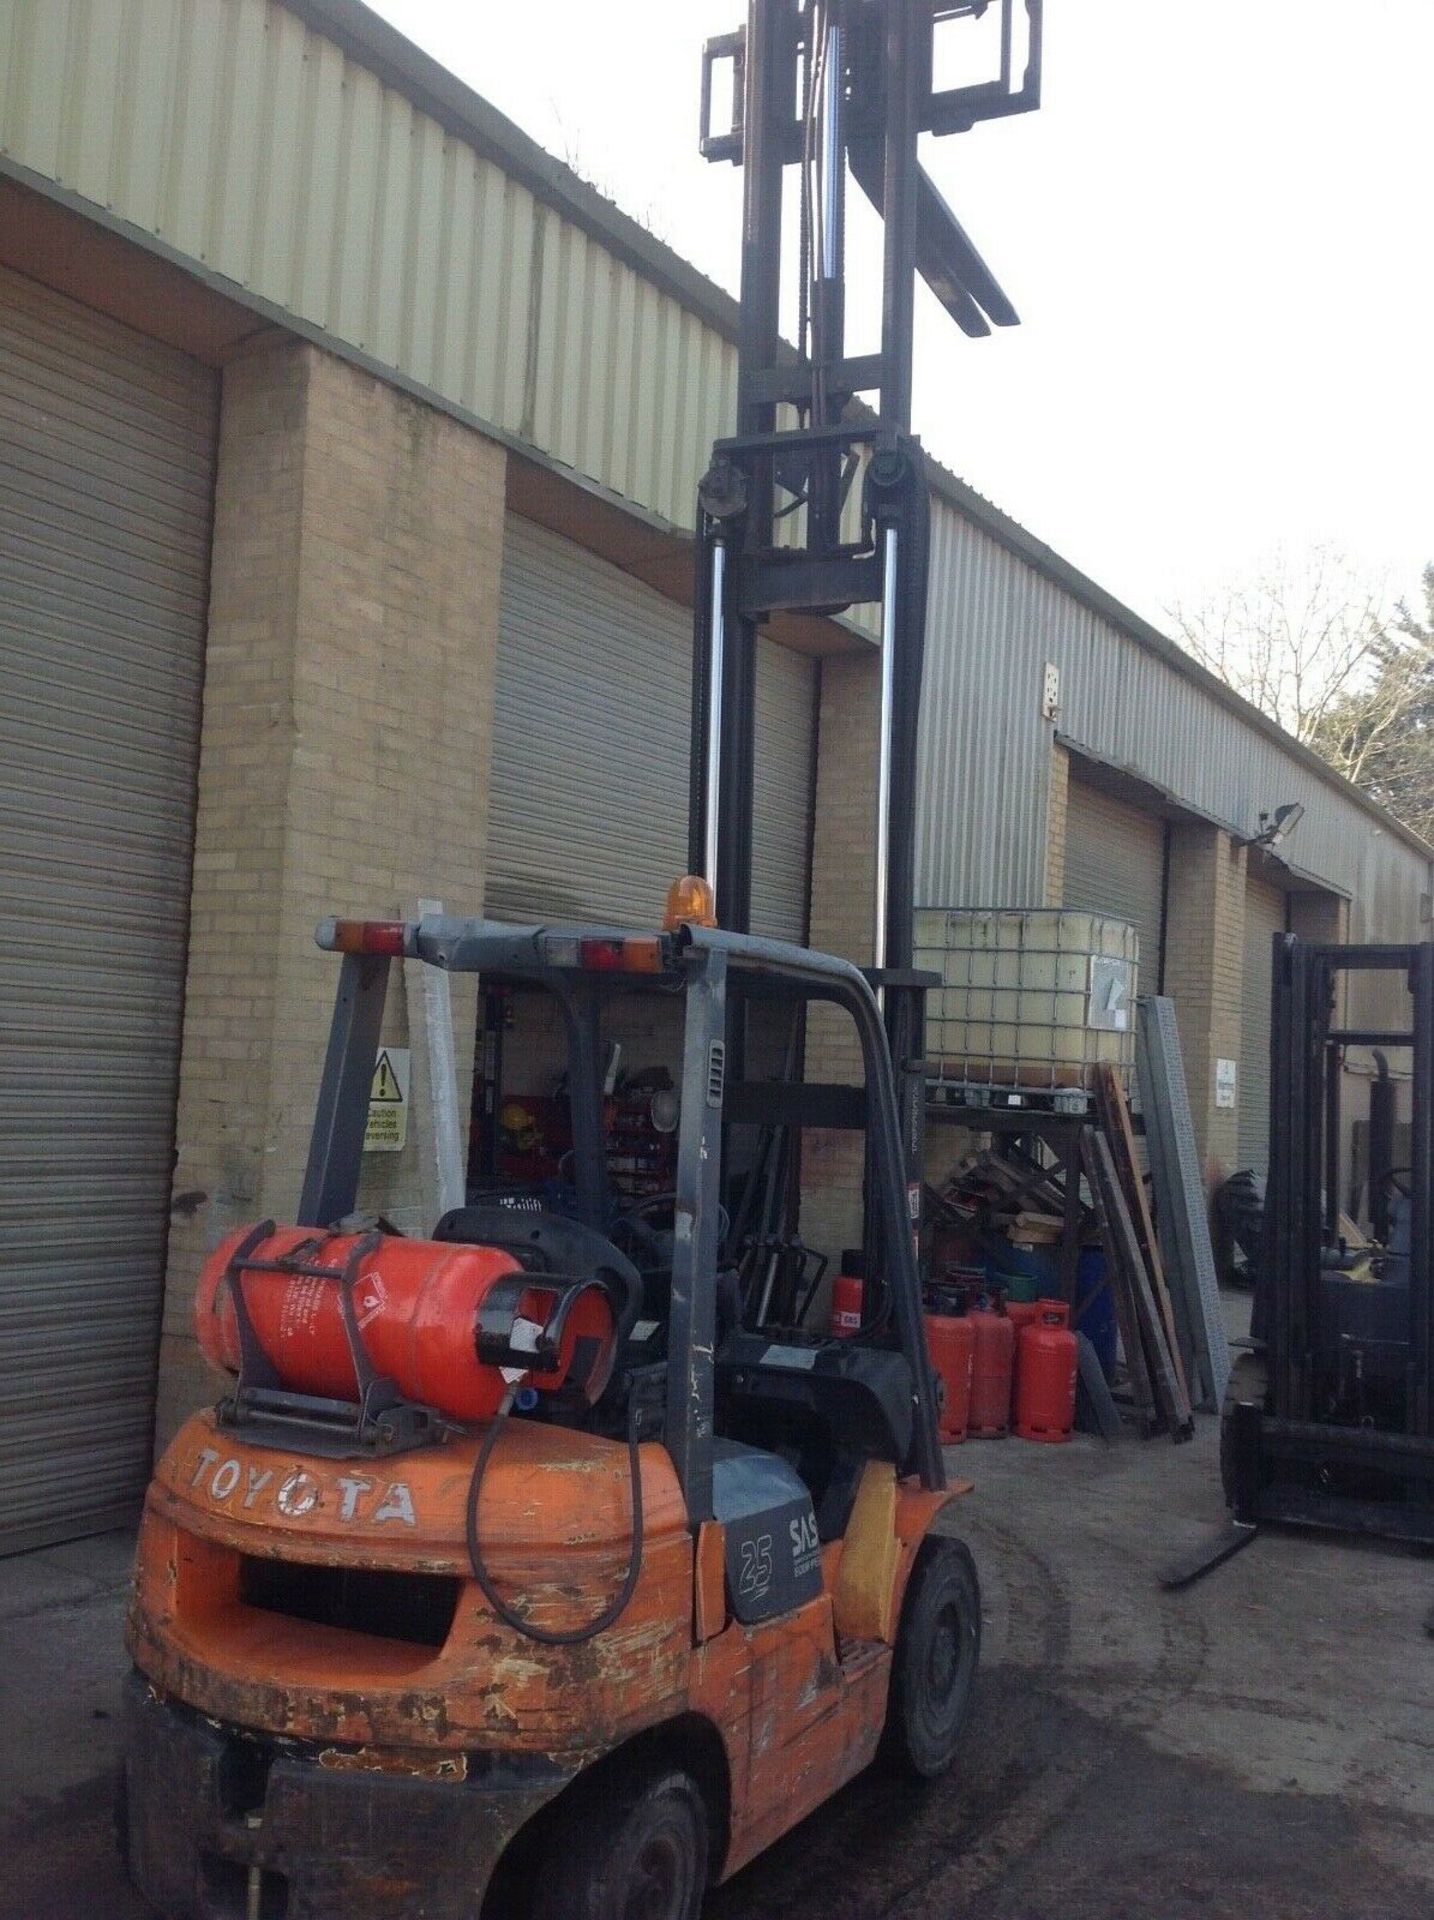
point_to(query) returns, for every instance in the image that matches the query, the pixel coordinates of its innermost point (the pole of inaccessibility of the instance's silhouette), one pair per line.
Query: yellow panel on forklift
(863, 1605)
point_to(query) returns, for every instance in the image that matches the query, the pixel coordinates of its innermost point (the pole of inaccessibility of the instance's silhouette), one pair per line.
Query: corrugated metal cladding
(228, 130)
(1265, 916)
(1115, 864)
(106, 475)
(588, 801)
(994, 622)
(985, 775)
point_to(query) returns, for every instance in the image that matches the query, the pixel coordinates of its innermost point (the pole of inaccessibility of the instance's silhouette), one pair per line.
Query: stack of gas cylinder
(1001, 1365)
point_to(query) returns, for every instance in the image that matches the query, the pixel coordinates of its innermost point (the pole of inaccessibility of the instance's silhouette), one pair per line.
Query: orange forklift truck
(541, 1567)
(515, 1548)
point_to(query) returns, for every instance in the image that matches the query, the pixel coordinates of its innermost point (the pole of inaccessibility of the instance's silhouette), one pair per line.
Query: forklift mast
(837, 87)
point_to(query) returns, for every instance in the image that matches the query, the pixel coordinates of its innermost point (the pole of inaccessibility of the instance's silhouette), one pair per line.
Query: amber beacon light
(690, 902)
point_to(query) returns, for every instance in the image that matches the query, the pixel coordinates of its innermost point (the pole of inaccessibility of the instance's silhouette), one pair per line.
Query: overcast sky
(1216, 230)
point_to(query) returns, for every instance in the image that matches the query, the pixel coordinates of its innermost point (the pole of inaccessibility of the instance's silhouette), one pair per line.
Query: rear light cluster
(366, 936)
(621, 956)
(594, 953)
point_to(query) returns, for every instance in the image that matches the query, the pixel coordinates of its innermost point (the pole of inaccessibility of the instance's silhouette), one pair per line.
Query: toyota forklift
(538, 1566)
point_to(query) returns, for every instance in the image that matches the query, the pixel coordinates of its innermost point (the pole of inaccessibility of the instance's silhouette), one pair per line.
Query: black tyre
(938, 1648)
(626, 1849)
(1249, 1380)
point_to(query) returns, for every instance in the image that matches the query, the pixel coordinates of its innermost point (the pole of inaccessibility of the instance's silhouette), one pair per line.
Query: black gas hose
(610, 1615)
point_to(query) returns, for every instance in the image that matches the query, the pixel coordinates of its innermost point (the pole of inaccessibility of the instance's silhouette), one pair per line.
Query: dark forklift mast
(827, 85)
(831, 86)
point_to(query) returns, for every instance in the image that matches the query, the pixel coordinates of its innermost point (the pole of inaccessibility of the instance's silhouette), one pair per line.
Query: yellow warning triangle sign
(385, 1082)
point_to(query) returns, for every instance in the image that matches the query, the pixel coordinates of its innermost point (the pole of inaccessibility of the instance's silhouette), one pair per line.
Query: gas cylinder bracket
(380, 1421)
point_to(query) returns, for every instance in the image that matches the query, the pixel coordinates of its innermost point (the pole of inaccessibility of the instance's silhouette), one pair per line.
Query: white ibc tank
(1031, 1000)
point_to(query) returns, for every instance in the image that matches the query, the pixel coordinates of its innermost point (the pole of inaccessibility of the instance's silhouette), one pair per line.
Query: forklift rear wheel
(633, 1849)
(934, 1666)
(1249, 1380)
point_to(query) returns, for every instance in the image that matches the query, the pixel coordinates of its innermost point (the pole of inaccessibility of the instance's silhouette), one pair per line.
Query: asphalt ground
(1258, 1745)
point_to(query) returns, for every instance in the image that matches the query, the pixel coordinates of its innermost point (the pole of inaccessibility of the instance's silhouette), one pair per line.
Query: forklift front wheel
(635, 1850)
(933, 1669)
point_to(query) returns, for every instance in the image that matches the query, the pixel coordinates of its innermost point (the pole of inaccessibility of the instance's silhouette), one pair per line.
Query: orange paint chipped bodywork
(798, 1702)
(559, 1551)
(916, 1508)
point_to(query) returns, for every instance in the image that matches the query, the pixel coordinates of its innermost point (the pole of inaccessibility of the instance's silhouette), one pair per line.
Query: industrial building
(348, 449)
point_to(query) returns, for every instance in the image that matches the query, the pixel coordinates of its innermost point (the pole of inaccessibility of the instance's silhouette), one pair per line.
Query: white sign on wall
(1224, 1083)
(387, 1128)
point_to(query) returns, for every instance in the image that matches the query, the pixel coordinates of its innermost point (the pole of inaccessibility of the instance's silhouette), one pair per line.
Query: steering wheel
(648, 1243)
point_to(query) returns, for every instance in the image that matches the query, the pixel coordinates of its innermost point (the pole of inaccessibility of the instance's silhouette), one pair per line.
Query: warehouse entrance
(589, 823)
(1116, 860)
(107, 451)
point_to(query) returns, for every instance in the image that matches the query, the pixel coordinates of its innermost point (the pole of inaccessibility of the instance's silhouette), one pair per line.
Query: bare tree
(1297, 638)
(1382, 735)
(1312, 643)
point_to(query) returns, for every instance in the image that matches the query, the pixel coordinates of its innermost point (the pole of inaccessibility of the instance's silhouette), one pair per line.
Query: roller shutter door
(1264, 918)
(106, 478)
(1115, 864)
(590, 748)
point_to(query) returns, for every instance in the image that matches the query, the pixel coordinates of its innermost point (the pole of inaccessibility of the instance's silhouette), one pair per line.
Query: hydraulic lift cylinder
(714, 714)
(889, 551)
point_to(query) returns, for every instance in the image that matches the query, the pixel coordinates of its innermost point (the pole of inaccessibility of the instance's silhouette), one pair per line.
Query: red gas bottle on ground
(1046, 1375)
(847, 1293)
(951, 1340)
(995, 1343)
(450, 1325)
(1020, 1313)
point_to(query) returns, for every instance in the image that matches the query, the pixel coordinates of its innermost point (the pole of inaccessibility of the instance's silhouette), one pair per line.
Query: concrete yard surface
(1261, 1744)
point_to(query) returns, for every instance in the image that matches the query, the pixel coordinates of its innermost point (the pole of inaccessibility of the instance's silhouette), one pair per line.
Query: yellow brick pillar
(344, 764)
(1204, 975)
(843, 892)
(1057, 809)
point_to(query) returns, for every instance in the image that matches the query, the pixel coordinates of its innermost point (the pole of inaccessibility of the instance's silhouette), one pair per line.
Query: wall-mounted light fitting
(1276, 826)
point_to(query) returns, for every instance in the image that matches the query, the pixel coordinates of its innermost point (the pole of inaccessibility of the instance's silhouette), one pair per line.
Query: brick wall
(1057, 809)
(843, 890)
(1204, 975)
(343, 767)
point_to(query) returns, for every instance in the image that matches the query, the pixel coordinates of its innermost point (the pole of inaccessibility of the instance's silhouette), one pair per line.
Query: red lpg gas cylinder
(951, 1340)
(442, 1321)
(995, 1339)
(847, 1292)
(1021, 1314)
(1046, 1375)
